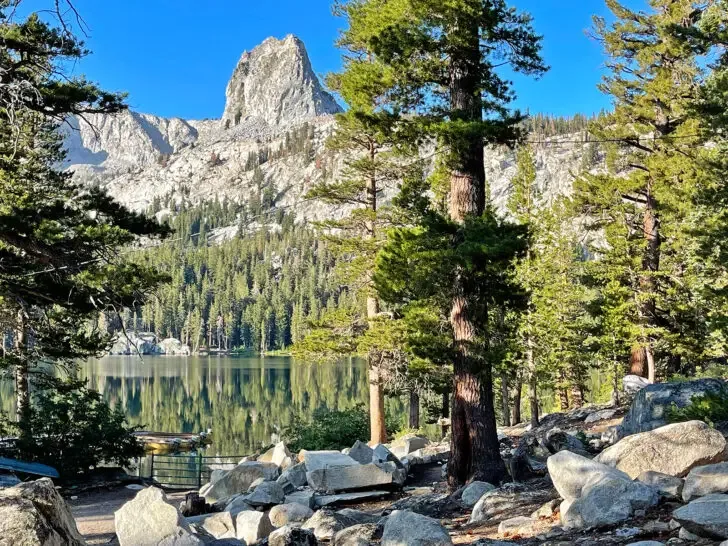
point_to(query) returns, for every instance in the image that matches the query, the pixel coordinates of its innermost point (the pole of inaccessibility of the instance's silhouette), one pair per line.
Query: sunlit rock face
(276, 84)
(274, 101)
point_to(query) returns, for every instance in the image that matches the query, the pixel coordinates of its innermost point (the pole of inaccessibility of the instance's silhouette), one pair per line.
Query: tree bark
(414, 410)
(563, 392)
(474, 447)
(505, 401)
(22, 379)
(650, 266)
(376, 384)
(532, 383)
(577, 396)
(516, 415)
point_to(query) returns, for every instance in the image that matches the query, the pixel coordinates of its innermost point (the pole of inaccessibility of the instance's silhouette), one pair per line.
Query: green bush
(711, 408)
(75, 430)
(332, 429)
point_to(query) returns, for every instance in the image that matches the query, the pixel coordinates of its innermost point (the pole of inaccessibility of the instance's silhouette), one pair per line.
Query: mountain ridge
(274, 126)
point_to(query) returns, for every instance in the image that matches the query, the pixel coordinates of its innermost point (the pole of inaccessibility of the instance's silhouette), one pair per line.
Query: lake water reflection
(244, 400)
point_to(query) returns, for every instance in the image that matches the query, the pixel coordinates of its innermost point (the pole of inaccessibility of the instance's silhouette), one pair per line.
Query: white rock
(149, 520)
(239, 479)
(265, 494)
(220, 524)
(284, 514)
(275, 82)
(342, 478)
(705, 480)
(473, 491)
(317, 460)
(404, 528)
(361, 452)
(668, 486)
(516, 526)
(291, 535)
(607, 500)
(673, 449)
(305, 497)
(33, 513)
(326, 523)
(252, 527)
(570, 472)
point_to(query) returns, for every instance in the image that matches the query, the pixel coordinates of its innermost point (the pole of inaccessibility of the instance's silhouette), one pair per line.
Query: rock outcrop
(405, 528)
(276, 84)
(149, 520)
(239, 479)
(706, 516)
(595, 494)
(648, 410)
(672, 449)
(34, 513)
(277, 118)
(705, 480)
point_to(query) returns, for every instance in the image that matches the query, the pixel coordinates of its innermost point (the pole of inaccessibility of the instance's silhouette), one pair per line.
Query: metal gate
(183, 470)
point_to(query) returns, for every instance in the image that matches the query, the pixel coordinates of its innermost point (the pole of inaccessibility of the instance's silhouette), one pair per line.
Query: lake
(245, 401)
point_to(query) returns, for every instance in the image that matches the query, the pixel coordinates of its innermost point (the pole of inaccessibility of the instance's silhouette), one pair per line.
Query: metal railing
(183, 470)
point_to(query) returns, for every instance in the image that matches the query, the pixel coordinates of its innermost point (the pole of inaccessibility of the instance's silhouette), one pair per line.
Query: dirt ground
(94, 512)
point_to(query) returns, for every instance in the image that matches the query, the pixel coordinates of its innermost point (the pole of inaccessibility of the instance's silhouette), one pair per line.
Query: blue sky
(174, 57)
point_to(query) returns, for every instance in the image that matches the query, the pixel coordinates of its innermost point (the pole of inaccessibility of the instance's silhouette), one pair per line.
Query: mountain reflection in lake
(244, 400)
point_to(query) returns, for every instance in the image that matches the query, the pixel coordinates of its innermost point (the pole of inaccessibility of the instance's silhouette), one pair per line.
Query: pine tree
(644, 206)
(441, 59)
(58, 240)
(523, 205)
(364, 135)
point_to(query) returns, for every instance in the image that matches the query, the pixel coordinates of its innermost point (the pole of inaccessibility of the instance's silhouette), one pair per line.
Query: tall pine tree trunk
(376, 383)
(505, 401)
(414, 409)
(650, 266)
(563, 392)
(22, 379)
(517, 389)
(532, 383)
(474, 448)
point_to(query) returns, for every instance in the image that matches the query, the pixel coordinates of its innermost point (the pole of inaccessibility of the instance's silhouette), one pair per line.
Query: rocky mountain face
(276, 120)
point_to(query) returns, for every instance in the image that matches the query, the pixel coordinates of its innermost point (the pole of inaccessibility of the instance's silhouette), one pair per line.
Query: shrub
(710, 407)
(75, 430)
(332, 429)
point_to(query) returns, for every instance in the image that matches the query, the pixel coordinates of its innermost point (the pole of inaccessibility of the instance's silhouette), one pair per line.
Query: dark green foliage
(711, 407)
(262, 289)
(332, 429)
(75, 430)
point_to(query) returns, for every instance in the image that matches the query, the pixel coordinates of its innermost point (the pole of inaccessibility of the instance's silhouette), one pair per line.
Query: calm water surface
(246, 401)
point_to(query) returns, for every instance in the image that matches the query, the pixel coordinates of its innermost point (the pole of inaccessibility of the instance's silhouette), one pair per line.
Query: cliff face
(274, 101)
(276, 84)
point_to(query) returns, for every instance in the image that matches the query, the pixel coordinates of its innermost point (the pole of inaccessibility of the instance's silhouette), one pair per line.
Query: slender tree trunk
(577, 395)
(563, 392)
(414, 409)
(505, 401)
(376, 382)
(650, 266)
(474, 447)
(517, 390)
(22, 379)
(532, 383)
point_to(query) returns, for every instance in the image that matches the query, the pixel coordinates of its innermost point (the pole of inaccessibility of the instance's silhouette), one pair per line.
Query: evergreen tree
(442, 61)
(57, 240)
(364, 135)
(644, 206)
(523, 205)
